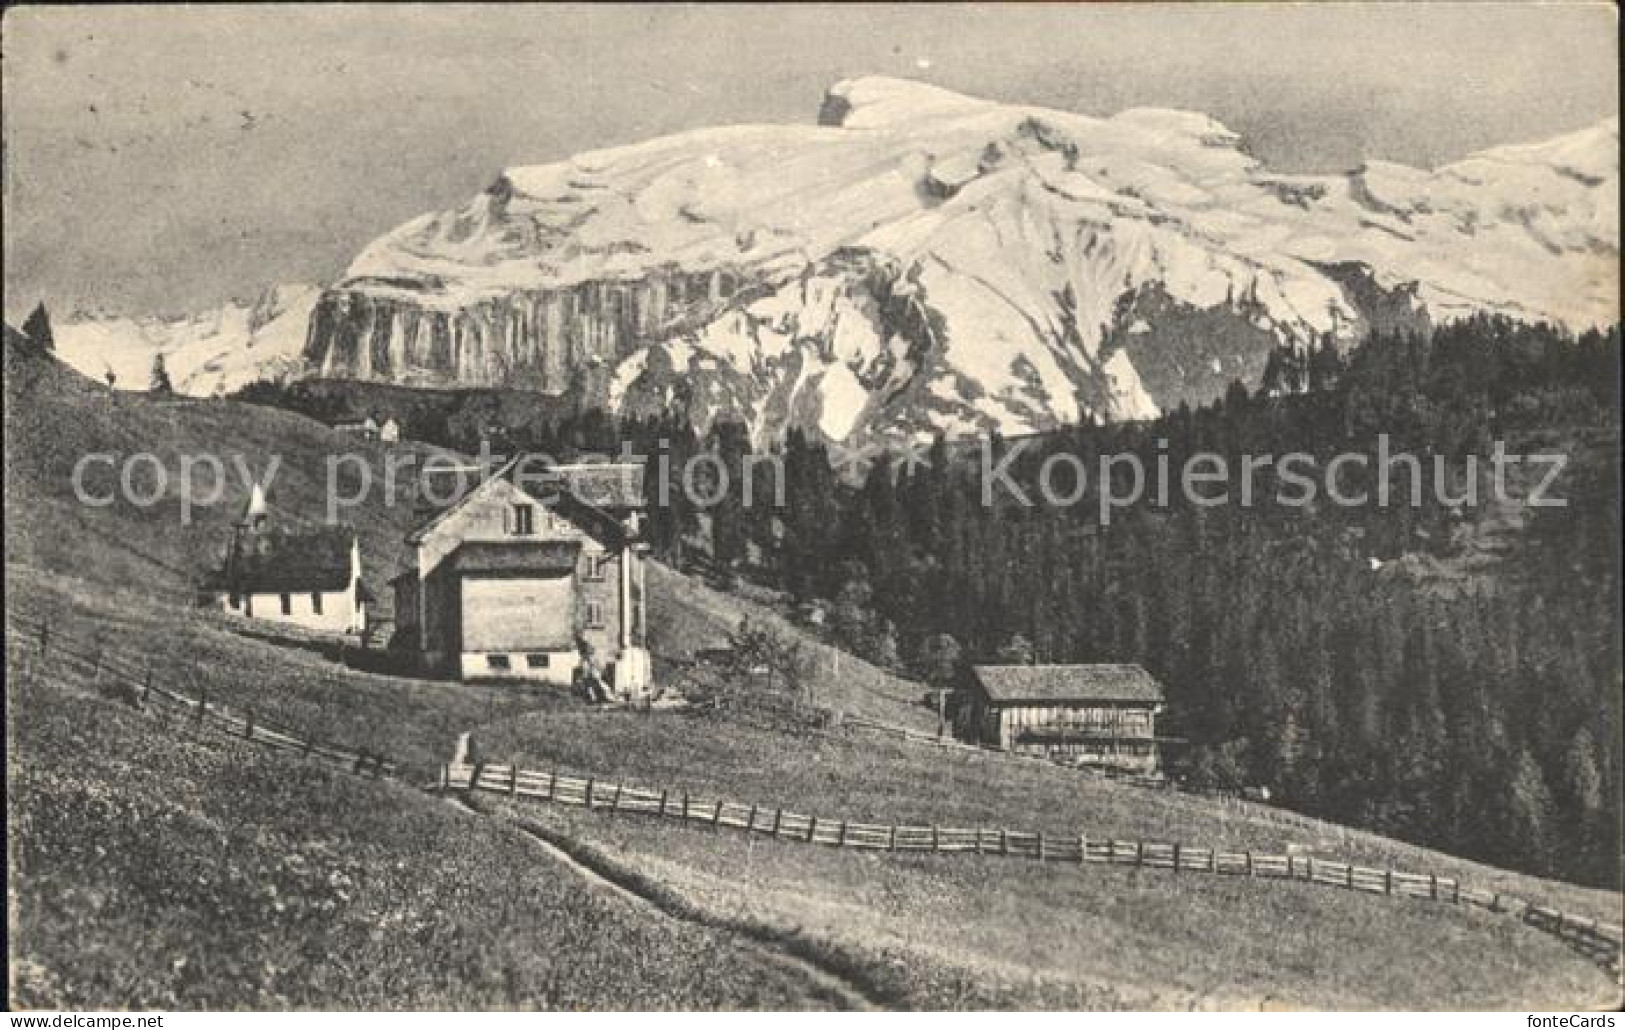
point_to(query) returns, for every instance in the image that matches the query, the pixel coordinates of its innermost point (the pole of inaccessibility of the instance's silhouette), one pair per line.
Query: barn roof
(287, 561)
(515, 557)
(1118, 684)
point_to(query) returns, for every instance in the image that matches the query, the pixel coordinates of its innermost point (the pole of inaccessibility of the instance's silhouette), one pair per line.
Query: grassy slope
(413, 721)
(155, 869)
(957, 930)
(869, 779)
(54, 416)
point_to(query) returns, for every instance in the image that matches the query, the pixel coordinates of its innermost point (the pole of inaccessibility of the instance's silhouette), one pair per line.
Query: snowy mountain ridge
(214, 352)
(923, 261)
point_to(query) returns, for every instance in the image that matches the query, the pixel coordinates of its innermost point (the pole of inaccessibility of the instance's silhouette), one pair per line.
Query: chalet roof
(286, 561)
(515, 557)
(1068, 684)
(593, 496)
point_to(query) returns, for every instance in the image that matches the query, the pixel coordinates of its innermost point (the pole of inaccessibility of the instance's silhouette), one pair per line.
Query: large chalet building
(531, 573)
(1101, 715)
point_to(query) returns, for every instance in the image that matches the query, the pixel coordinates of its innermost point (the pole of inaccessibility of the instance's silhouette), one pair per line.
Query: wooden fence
(1600, 941)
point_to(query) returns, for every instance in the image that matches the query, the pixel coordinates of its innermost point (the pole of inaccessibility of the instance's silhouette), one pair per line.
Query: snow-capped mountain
(207, 354)
(920, 260)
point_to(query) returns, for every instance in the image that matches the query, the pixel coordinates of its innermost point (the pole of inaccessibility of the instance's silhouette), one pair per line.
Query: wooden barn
(529, 574)
(303, 577)
(1102, 715)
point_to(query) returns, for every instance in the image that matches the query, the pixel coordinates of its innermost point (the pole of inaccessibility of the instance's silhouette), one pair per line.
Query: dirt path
(825, 984)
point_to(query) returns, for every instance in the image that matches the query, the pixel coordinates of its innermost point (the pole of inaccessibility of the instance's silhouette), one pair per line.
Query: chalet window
(236, 601)
(523, 520)
(595, 615)
(536, 661)
(287, 604)
(596, 564)
(498, 661)
(316, 603)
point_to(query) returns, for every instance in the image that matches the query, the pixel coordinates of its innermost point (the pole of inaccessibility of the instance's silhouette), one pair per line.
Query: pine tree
(37, 327)
(1581, 779)
(160, 377)
(1017, 650)
(939, 660)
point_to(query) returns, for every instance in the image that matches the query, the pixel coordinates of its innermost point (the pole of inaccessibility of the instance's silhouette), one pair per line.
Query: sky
(165, 159)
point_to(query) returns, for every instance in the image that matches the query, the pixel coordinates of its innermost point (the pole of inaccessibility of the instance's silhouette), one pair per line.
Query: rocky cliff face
(922, 261)
(536, 339)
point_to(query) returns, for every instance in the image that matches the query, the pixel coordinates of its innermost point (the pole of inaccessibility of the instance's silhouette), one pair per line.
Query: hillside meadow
(966, 931)
(159, 866)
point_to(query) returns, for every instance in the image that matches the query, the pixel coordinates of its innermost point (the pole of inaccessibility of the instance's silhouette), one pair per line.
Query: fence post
(248, 725)
(1176, 856)
(841, 840)
(778, 817)
(750, 820)
(1041, 845)
(1139, 853)
(716, 814)
(146, 687)
(589, 793)
(891, 839)
(936, 842)
(1309, 869)
(513, 779)
(1495, 902)
(1388, 881)
(812, 829)
(1004, 841)
(615, 800)
(663, 802)
(1433, 886)
(1083, 848)
(474, 777)
(1249, 857)
(685, 806)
